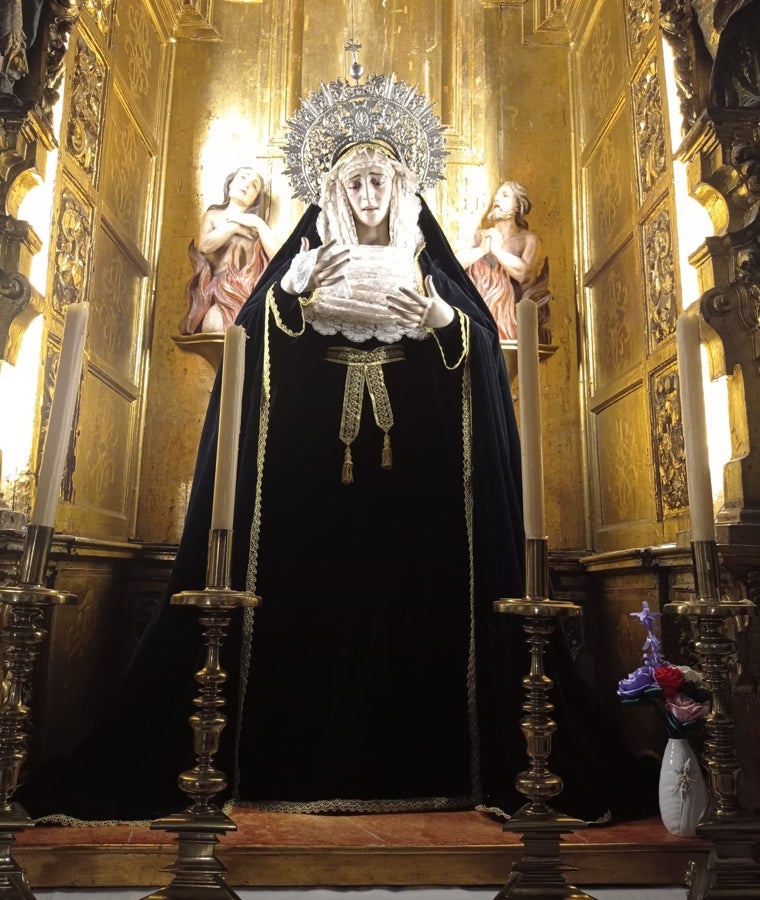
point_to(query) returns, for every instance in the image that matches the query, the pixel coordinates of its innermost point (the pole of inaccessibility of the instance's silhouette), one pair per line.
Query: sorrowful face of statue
(245, 187)
(368, 189)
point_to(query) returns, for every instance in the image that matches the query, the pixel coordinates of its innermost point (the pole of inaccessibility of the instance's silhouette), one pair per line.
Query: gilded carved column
(26, 136)
(717, 58)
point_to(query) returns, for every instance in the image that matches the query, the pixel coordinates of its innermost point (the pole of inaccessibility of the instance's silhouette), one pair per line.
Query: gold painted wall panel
(229, 107)
(102, 465)
(84, 123)
(138, 59)
(602, 57)
(658, 247)
(608, 176)
(616, 310)
(624, 458)
(649, 126)
(115, 296)
(126, 183)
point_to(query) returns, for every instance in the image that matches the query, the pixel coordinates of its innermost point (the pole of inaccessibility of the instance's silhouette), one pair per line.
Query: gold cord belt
(365, 367)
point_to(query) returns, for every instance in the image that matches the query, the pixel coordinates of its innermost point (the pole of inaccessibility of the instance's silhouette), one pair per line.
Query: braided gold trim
(364, 367)
(253, 548)
(469, 503)
(464, 326)
(272, 304)
(339, 805)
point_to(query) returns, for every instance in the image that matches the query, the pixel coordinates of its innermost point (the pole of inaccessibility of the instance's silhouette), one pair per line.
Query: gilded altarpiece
(631, 281)
(268, 56)
(103, 239)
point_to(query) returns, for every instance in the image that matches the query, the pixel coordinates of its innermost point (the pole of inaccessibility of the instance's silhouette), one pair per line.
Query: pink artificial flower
(686, 709)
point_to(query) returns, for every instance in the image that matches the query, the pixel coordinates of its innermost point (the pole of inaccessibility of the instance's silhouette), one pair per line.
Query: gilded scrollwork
(138, 50)
(602, 64)
(649, 128)
(640, 15)
(15, 292)
(676, 22)
(64, 15)
(660, 282)
(668, 443)
(84, 125)
(613, 316)
(101, 12)
(72, 251)
(114, 285)
(126, 176)
(622, 487)
(610, 189)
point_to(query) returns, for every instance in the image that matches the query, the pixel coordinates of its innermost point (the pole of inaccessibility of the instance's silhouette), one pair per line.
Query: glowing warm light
(18, 396)
(36, 209)
(231, 143)
(693, 225)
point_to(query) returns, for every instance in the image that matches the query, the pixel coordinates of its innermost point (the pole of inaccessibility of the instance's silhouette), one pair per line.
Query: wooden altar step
(285, 850)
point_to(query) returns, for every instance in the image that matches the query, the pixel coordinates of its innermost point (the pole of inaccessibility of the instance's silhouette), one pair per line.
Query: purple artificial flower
(636, 683)
(651, 645)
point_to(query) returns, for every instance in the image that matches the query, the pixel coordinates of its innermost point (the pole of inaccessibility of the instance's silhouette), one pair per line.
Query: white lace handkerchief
(357, 305)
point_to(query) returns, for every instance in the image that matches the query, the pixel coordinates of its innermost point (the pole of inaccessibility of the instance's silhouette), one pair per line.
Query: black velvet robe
(375, 675)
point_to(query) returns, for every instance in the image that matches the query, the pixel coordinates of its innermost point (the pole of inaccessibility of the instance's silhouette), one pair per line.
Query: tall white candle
(225, 476)
(61, 414)
(695, 428)
(530, 419)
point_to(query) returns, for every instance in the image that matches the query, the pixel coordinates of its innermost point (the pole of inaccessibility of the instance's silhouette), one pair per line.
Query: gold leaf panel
(640, 15)
(127, 183)
(667, 435)
(73, 241)
(115, 301)
(602, 59)
(609, 174)
(617, 315)
(85, 120)
(649, 128)
(139, 61)
(100, 477)
(660, 276)
(101, 12)
(625, 461)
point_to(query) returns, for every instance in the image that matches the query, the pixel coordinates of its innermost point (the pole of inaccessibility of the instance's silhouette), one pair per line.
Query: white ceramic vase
(683, 792)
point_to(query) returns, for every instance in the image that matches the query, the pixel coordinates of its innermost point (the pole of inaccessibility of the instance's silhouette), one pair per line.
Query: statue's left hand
(420, 311)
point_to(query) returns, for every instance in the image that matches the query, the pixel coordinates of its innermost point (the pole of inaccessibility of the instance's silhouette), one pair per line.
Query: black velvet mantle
(379, 676)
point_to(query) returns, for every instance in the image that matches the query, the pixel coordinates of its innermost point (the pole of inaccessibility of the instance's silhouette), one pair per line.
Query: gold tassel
(348, 467)
(386, 460)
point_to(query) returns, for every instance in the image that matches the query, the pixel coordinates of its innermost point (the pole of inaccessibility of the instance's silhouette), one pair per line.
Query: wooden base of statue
(538, 873)
(198, 874)
(25, 607)
(732, 868)
(210, 346)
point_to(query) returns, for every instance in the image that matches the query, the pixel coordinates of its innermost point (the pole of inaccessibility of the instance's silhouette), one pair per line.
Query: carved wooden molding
(544, 21)
(185, 19)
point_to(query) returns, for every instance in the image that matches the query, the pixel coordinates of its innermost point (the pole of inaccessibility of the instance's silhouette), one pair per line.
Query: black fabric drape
(372, 679)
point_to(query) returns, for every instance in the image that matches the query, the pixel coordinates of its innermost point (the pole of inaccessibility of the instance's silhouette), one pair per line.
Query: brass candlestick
(198, 873)
(538, 872)
(733, 867)
(22, 633)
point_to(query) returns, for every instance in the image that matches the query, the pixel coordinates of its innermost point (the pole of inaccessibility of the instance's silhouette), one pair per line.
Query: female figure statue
(378, 517)
(506, 262)
(233, 249)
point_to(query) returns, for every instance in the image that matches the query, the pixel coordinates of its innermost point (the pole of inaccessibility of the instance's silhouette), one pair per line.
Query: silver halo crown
(341, 114)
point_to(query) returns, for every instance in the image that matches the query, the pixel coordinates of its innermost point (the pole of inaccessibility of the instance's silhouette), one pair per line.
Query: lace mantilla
(357, 305)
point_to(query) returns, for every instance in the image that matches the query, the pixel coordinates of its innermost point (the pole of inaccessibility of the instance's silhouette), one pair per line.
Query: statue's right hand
(311, 269)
